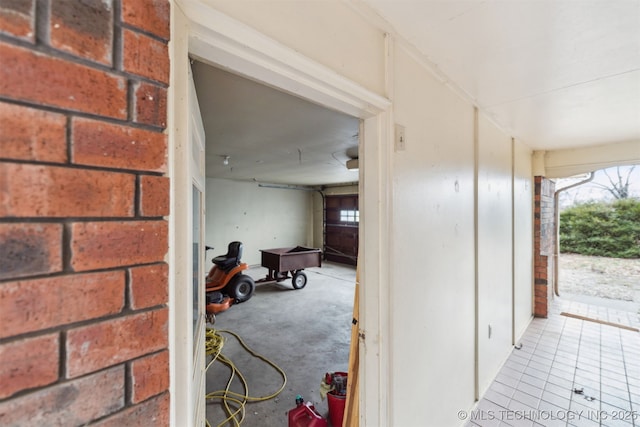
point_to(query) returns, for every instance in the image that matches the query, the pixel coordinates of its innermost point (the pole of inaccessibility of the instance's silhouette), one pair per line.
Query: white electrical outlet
(401, 138)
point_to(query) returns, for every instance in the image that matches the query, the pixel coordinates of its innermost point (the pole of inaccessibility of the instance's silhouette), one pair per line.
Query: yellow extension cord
(213, 347)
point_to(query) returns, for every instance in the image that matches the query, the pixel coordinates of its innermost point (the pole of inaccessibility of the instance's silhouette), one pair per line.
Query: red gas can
(305, 415)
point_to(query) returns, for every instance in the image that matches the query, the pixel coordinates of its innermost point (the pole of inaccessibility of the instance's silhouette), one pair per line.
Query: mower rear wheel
(241, 288)
(299, 280)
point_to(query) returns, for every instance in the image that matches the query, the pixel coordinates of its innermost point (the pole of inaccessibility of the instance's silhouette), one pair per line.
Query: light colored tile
(612, 357)
(516, 365)
(614, 391)
(633, 389)
(582, 422)
(613, 375)
(536, 373)
(565, 392)
(520, 422)
(585, 369)
(532, 380)
(589, 384)
(519, 357)
(542, 356)
(551, 415)
(497, 398)
(614, 417)
(633, 371)
(559, 365)
(615, 423)
(609, 383)
(508, 376)
(561, 382)
(521, 414)
(547, 348)
(561, 402)
(616, 401)
(487, 414)
(583, 412)
(510, 372)
(542, 359)
(566, 374)
(505, 389)
(633, 381)
(525, 398)
(544, 367)
(603, 360)
(532, 390)
(585, 400)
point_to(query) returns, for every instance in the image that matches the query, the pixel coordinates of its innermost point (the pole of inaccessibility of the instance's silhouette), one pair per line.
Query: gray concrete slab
(306, 332)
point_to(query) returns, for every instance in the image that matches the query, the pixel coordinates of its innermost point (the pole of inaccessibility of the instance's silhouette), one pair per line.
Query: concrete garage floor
(306, 332)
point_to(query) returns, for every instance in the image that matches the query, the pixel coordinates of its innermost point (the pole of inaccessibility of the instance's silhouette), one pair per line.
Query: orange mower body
(225, 284)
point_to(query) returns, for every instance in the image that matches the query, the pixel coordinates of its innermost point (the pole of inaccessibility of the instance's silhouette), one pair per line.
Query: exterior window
(349, 216)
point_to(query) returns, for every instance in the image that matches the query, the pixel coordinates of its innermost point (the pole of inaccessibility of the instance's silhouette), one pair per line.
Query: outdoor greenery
(602, 229)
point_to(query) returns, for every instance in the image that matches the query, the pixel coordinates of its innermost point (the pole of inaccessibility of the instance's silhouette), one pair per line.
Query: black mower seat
(231, 258)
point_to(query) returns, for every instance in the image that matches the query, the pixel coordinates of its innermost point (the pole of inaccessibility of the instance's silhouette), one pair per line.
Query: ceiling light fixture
(225, 160)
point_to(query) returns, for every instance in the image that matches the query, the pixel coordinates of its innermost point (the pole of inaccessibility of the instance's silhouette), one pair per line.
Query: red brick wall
(83, 200)
(544, 244)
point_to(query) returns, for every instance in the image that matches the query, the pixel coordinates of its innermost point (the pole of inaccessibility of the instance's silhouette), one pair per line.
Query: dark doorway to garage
(342, 220)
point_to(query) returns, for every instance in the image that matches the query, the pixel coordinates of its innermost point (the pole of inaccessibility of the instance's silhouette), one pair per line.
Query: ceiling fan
(353, 162)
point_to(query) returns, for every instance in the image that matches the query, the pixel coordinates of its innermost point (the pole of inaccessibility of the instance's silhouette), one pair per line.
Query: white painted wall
(432, 277)
(259, 217)
(523, 238)
(494, 250)
(328, 32)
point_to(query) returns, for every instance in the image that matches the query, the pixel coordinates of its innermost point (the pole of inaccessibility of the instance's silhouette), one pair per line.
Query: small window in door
(349, 216)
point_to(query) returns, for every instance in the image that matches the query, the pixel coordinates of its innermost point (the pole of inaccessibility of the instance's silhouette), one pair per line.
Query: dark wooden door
(341, 229)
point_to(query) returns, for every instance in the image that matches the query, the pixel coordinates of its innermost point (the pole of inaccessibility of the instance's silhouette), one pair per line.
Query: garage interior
(280, 172)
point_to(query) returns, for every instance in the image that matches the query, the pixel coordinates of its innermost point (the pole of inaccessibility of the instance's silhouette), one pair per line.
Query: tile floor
(537, 384)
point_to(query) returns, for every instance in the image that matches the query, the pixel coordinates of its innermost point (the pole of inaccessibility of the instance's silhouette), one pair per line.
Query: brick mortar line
(142, 31)
(62, 381)
(68, 273)
(79, 220)
(116, 38)
(81, 114)
(80, 166)
(54, 53)
(123, 314)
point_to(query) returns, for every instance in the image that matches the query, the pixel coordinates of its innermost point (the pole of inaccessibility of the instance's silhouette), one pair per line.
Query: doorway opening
(599, 257)
(269, 158)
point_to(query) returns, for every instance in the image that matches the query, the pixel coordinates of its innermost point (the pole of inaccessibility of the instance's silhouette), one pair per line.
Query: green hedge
(602, 229)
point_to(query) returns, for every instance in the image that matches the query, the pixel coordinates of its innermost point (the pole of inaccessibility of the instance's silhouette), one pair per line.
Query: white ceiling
(270, 136)
(553, 73)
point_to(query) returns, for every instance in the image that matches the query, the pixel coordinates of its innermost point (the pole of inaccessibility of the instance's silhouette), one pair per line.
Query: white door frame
(212, 37)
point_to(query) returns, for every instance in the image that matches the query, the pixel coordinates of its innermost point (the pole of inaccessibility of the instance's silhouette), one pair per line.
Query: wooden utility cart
(283, 263)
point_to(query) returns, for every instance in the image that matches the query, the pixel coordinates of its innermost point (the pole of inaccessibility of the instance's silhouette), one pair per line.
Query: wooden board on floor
(602, 322)
(352, 404)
